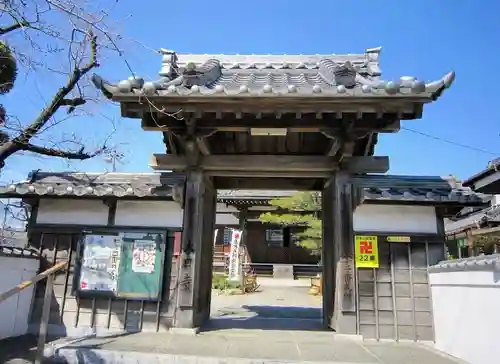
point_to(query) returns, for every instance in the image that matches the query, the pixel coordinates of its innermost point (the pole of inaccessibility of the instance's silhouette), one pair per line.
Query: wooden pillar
(207, 252)
(339, 307)
(197, 241)
(328, 252)
(345, 309)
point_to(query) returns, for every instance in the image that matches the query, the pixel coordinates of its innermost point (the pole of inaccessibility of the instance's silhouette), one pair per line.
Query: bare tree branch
(21, 142)
(15, 26)
(63, 38)
(52, 152)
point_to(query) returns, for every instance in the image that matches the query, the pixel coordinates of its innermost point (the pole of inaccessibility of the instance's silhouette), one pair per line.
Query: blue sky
(420, 38)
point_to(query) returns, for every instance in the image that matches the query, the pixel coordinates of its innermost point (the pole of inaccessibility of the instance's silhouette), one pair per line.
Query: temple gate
(271, 122)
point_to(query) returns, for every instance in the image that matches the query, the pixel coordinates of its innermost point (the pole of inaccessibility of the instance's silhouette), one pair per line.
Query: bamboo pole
(11, 292)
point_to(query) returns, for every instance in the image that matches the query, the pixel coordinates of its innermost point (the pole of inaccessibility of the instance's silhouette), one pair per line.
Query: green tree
(486, 244)
(301, 209)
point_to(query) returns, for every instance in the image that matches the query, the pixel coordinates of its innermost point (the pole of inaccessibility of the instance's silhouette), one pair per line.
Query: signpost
(366, 251)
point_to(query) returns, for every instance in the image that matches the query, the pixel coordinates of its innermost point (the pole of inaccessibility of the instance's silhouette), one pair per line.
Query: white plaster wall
(395, 218)
(466, 313)
(14, 311)
(148, 213)
(226, 219)
(67, 211)
(222, 207)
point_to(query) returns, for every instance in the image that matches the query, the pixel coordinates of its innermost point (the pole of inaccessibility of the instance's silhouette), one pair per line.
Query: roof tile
(284, 76)
(375, 187)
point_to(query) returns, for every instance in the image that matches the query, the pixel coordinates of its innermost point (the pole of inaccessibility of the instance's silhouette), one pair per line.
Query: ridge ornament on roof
(243, 76)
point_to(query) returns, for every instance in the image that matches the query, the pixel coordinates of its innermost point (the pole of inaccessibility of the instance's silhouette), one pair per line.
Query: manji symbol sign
(366, 251)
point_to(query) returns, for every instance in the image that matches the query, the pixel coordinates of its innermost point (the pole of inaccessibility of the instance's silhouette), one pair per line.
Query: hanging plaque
(398, 239)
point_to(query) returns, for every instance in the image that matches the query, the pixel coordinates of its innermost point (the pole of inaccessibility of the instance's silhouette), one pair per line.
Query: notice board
(122, 264)
(366, 251)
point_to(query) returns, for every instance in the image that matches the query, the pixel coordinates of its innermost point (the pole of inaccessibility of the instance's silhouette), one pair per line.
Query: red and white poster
(144, 256)
(234, 256)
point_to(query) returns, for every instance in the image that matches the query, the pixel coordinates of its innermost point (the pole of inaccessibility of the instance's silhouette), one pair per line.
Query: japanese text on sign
(366, 251)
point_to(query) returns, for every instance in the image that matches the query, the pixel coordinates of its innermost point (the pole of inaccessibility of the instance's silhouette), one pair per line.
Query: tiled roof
(473, 263)
(430, 190)
(267, 76)
(11, 237)
(10, 251)
(94, 184)
(420, 189)
(476, 219)
(493, 166)
(416, 188)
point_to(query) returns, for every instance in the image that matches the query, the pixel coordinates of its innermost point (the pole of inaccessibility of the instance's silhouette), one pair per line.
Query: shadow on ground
(22, 349)
(267, 318)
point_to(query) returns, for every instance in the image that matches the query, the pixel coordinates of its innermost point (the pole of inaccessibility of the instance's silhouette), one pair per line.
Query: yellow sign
(366, 251)
(398, 239)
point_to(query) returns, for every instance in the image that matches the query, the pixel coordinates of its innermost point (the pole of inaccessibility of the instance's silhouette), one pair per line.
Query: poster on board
(366, 251)
(144, 256)
(100, 263)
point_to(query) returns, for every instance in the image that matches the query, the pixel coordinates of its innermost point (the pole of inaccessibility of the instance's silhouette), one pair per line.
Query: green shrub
(221, 283)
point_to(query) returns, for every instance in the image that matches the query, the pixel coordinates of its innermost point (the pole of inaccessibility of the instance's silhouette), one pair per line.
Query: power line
(451, 142)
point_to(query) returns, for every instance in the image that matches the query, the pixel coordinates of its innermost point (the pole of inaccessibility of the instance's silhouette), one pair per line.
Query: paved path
(284, 306)
(247, 346)
(276, 325)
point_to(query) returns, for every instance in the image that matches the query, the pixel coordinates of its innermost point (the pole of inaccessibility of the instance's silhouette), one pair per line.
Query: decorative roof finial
(169, 63)
(345, 75)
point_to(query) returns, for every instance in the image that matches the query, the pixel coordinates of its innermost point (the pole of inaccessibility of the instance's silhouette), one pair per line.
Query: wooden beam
(203, 146)
(249, 163)
(275, 183)
(304, 122)
(334, 147)
(365, 164)
(272, 165)
(168, 162)
(257, 174)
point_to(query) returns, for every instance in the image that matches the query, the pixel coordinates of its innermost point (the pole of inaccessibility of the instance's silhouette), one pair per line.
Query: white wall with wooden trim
(148, 213)
(71, 212)
(166, 214)
(367, 217)
(395, 218)
(14, 312)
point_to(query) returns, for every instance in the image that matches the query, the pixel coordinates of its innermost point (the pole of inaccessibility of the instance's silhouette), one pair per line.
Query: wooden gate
(394, 300)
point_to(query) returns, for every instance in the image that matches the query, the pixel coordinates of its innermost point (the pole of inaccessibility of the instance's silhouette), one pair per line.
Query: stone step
(245, 346)
(96, 356)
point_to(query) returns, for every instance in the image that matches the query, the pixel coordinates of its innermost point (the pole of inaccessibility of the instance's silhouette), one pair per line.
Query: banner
(215, 235)
(234, 256)
(366, 251)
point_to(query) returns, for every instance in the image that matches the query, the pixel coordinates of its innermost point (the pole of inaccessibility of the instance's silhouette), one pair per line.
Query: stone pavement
(275, 325)
(287, 299)
(246, 346)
